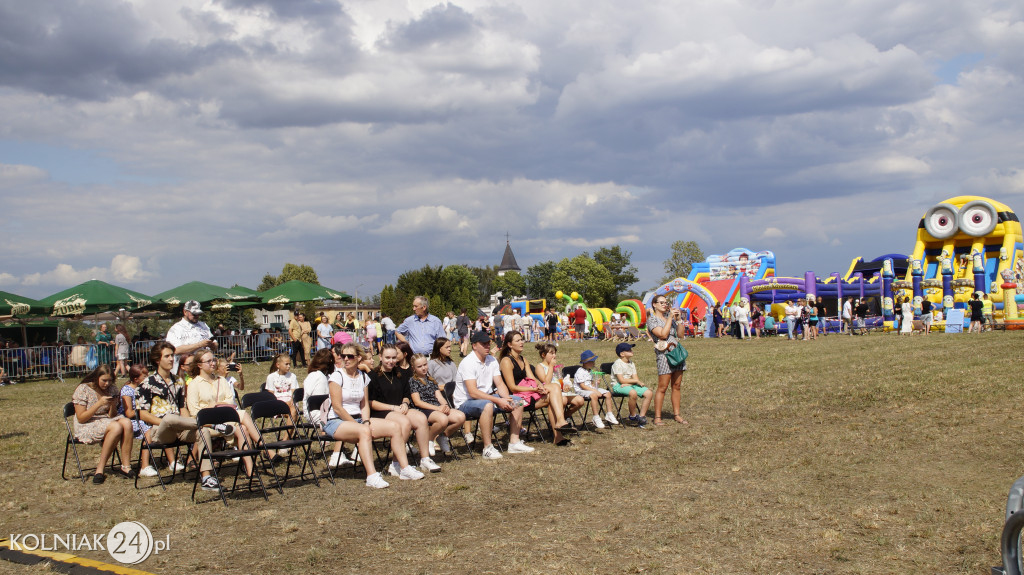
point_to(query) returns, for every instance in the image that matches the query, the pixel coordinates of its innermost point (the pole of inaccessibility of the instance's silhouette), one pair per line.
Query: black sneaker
(210, 483)
(224, 429)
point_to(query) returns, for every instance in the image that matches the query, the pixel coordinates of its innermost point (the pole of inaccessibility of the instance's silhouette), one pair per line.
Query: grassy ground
(876, 454)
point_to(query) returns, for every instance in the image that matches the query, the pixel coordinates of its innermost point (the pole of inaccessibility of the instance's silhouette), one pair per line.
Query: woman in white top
(907, 325)
(121, 350)
(349, 419)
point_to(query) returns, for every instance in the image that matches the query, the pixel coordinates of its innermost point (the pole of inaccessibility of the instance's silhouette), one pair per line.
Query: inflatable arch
(681, 287)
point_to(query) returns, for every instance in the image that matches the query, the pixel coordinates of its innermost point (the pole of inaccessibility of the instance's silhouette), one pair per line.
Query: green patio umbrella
(95, 296)
(299, 291)
(19, 306)
(21, 310)
(208, 295)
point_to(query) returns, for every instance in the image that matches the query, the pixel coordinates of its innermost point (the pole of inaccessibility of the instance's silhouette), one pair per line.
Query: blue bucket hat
(588, 356)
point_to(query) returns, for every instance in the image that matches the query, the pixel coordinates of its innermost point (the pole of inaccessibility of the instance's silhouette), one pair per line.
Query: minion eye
(978, 218)
(941, 221)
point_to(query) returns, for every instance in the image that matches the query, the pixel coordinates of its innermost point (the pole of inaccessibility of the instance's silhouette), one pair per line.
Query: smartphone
(232, 366)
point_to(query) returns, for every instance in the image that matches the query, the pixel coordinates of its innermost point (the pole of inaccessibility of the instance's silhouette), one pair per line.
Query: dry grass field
(875, 454)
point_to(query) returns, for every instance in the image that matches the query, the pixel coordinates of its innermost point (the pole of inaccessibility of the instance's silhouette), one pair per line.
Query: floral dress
(653, 321)
(93, 430)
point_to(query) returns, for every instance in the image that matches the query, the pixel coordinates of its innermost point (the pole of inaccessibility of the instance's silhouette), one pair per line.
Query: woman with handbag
(523, 383)
(665, 326)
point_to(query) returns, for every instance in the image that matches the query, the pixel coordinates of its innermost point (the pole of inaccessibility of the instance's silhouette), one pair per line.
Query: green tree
(387, 301)
(617, 261)
(289, 272)
(684, 255)
(485, 283)
(511, 285)
(538, 280)
(234, 318)
(582, 274)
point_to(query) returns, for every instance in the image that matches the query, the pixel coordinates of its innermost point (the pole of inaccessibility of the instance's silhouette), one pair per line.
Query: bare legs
(674, 378)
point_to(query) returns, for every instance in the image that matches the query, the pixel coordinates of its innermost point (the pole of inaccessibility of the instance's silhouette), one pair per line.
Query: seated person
(348, 419)
(282, 382)
(769, 323)
(480, 390)
(96, 419)
(207, 389)
(583, 383)
(627, 383)
(391, 400)
(428, 398)
(160, 401)
(547, 375)
(522, 382)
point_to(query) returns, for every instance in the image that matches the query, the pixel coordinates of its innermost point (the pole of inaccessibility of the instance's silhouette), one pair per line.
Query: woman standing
(96, 419)
(121, 350)
(756, 320)
(664, 326)
(907, 321)
(718, 319)
(104, 341)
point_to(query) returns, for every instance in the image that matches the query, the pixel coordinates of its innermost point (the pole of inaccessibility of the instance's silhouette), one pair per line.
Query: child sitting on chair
(625, 382)
(583, 382)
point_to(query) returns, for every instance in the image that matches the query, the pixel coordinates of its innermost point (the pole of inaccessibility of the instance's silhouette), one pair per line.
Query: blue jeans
(790, 324)
(473, 408)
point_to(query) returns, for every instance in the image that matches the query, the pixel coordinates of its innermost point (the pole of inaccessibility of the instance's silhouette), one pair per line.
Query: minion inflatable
(964, 245)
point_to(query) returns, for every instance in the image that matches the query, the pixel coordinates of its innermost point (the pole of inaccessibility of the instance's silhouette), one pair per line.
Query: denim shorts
(475, 407)
(334, 424)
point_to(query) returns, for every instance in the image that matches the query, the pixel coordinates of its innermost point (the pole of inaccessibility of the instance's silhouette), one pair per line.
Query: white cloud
(606, 241)
(772, 234)
(423, 219)
(8, 279)
(123, 269)
(18, 175)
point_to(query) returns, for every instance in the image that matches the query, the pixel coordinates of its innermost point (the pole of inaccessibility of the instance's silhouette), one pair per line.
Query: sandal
(567, 428)
(564, 443)
(658, 421)
(99, 478)
(679, 419)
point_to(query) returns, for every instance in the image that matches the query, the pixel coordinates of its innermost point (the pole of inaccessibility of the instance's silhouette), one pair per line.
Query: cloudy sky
(152, 143)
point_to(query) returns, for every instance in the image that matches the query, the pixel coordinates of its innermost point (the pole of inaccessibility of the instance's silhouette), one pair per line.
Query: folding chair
(622, 398)
(533, 411)
(71, 444)
(274, 409)
(156, 448)
(449, 395)
(213, 416)
(303, 423)
(251, 399)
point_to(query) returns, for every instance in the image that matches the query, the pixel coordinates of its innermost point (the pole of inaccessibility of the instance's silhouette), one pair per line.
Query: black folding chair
(618, 399)
(157, 453)
(71, 444)
(449, 395)
(320, 438)
(251, 399)
(298, 400)
(217, 415)
(262, 413)
(533, 412)
(597, 385)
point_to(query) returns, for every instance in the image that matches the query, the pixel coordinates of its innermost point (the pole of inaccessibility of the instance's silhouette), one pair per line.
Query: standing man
(299, 330)
(462, 329)
(848, 316)
(926, 315)
(524, 326)
(190, 334)
(389, 328)
(580, 317)
(421, 328)
(862, 316)
(986, 312)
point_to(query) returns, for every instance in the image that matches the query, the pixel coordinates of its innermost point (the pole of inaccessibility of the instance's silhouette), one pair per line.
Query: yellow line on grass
(67, 558)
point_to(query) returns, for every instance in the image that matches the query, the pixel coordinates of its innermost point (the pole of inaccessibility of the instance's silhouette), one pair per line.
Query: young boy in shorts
(583, 382)
(626, 382)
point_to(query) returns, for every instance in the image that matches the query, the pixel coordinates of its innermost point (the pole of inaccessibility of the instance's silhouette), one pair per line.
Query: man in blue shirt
(421, 328)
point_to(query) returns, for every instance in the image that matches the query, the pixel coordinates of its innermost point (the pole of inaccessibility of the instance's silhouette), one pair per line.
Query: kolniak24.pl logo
(129, 542)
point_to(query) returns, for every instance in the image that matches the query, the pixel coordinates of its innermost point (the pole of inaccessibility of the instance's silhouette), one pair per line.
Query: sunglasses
(348, 356)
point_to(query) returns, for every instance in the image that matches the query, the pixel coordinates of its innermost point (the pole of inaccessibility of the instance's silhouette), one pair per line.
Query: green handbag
(677, 355)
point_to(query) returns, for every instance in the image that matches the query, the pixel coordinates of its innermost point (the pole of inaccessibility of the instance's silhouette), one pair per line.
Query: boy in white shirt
(583, 382)
(627, 383)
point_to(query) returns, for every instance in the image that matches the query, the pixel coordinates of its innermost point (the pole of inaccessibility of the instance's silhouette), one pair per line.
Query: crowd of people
(403, 396)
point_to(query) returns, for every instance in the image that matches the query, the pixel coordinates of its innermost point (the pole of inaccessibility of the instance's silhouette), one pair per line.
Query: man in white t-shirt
(480, 390)
(848, 315)
(189, 334)
(740, 314)
(525, 326)
(792, 312)
(509, 322)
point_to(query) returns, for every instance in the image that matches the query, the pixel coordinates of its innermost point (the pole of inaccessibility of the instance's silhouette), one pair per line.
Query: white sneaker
(610, 418)
(410, 473)
(432, 448)
(520, 448)
(175, 467)
(427, 464)
(394, 469)
(338, 459)
(444, 444)
(491, 452)
(148, 471)
(469, 437)
(355, 456)
(598, 423)
(376, 481)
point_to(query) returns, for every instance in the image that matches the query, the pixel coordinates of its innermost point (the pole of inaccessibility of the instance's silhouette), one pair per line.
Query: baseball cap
(193, 307)
(480, 337)
(588, 356)
(624, 347)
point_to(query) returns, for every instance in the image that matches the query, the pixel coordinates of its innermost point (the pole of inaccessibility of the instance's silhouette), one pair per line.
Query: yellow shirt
(986, 306)
(203, 393)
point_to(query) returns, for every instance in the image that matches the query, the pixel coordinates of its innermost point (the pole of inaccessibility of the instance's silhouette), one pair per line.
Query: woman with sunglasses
(349, 419)
(664, 325)
(207, 389)
(391, 401)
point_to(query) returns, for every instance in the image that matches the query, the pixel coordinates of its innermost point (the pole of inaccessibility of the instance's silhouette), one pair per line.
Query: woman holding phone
(665, 325)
